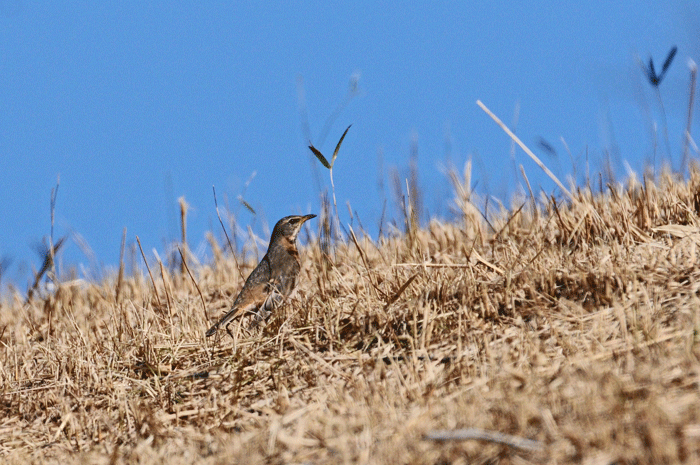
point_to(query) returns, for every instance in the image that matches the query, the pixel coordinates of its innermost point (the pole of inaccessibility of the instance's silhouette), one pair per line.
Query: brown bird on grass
(274, 278)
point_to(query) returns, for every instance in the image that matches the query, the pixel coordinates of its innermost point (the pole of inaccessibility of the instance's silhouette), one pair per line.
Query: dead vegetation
(573, 325)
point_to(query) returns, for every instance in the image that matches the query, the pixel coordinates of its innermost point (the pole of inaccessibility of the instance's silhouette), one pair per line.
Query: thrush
(275, 277)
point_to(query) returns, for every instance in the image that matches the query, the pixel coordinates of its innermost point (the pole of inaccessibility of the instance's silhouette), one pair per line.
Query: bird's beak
(307, 218)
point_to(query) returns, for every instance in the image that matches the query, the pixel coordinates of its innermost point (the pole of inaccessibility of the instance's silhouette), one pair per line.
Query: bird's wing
(253, 295)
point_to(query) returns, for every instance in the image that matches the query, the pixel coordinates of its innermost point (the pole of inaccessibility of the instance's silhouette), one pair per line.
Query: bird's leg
(228, 330)
(238, 327)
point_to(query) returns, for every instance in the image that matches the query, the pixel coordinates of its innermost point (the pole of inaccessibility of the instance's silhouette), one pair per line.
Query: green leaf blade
(337, 147)
(320, 157)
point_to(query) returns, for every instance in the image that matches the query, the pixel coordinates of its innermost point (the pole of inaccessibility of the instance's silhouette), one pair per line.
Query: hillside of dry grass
(573, 324)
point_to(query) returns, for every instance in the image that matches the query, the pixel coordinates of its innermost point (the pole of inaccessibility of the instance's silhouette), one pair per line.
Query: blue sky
(135, 104)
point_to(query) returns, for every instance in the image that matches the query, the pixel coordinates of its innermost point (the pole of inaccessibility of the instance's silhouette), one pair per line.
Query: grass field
(565, 332)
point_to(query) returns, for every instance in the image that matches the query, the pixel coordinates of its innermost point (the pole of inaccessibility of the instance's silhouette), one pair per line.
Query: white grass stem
(526, 149)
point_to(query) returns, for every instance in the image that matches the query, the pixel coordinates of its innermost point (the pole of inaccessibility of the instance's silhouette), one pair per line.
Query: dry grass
(575, 325)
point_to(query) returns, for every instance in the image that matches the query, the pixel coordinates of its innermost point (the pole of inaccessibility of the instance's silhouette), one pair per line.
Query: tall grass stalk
(329, 165)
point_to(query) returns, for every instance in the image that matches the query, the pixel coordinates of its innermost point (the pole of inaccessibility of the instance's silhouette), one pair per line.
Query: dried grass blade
(484, 435)
(526, 149)
(401, 290)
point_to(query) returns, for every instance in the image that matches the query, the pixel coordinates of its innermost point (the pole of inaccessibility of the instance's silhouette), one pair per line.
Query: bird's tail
(210, 332)
(233, 313)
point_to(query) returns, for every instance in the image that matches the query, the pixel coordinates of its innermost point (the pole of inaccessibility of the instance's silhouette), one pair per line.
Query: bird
(275, 277)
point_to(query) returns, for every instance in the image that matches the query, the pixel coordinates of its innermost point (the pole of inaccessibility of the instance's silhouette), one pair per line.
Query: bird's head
(289, 226)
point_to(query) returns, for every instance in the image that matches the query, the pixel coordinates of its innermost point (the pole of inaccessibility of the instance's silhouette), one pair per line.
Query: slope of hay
(574, 325)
